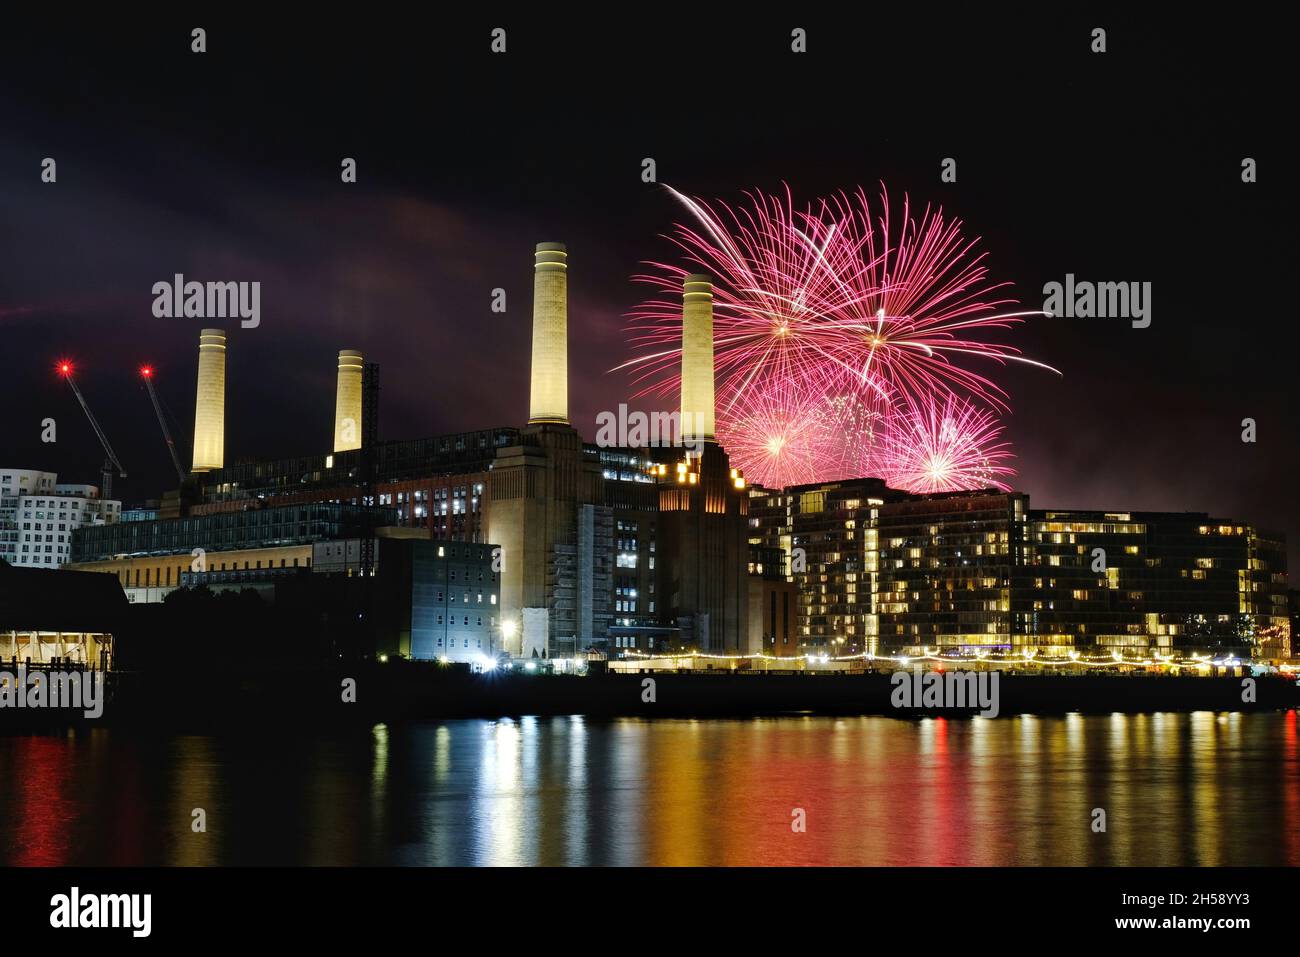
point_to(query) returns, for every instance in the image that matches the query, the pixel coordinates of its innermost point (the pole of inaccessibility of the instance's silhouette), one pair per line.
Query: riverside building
(38, 516)
(981, 572)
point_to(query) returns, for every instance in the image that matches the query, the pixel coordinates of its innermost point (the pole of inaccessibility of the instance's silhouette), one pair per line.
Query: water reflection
(1198, 789)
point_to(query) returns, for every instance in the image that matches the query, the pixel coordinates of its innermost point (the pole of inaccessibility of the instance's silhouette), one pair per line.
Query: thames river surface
(1177, 789)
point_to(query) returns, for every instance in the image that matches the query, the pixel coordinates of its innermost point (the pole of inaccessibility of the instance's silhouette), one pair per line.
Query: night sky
(225, 166)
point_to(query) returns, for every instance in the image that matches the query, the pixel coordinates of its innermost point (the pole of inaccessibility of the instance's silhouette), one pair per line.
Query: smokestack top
(697, 278)
(348, 401)
(551, 257)
(212, 337)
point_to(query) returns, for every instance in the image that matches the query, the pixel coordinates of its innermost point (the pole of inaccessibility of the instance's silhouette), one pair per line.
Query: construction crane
(146, 373)
(110, 457)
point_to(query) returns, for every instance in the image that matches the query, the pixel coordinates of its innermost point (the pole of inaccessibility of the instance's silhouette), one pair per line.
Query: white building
(38, 515)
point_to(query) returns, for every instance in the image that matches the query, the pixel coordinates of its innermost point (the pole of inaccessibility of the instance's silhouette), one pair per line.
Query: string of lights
(1028, 657)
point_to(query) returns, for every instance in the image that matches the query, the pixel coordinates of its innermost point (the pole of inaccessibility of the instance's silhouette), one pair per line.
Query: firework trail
(832, 318)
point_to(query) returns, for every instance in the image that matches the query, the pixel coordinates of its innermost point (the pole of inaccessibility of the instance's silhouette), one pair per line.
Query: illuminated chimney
(347, 402)
(697, 357)
(549, 396)
(210, 402)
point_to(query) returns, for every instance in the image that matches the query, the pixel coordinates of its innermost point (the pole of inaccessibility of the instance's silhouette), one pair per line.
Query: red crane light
(146, 371)
(65, 368)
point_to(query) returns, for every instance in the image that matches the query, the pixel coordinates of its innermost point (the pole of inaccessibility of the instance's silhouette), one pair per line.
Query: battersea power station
(529, 541)
(524, 540)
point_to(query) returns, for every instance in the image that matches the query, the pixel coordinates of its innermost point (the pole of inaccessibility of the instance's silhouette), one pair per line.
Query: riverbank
(386, 692)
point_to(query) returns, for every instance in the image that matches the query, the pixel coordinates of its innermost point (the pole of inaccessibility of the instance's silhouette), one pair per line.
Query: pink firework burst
(794, 437)
(779, 444)
(834, 312)
(945, 446)
(834, 294)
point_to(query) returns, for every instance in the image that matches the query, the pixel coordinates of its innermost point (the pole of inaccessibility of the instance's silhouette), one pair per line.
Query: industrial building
(593, 548)
(664, 548)
(151, 558)
(675, 517)
(425, 600)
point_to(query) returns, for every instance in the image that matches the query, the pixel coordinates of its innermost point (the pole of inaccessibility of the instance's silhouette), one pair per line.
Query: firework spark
(793, 437)
(826, 317)
(780, 444)
(944, 446)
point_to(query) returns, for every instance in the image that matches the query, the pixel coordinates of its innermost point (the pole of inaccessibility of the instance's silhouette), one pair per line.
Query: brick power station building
(638, 550)
(587, 547)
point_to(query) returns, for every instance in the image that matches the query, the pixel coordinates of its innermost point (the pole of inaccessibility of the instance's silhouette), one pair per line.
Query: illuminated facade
(549, 385)
(432, 600)
(703, 508)
(347, 401)
(151, 578)
(947, 571)
(152, 558)
(598, 548)
(63, 615)
(625, 549)
(38, 516)
(703, 503)
(452, 507)
(210, 402)
(631, 492)
(697, 357)
(773, 604)
(440, 483)
(979, 572)
(827, 534)
(1153, 582)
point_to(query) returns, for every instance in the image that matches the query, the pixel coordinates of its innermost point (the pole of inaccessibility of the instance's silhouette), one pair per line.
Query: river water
(1176, 789)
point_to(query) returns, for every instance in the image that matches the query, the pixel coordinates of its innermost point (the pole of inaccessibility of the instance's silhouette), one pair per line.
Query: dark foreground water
(1177, 789)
